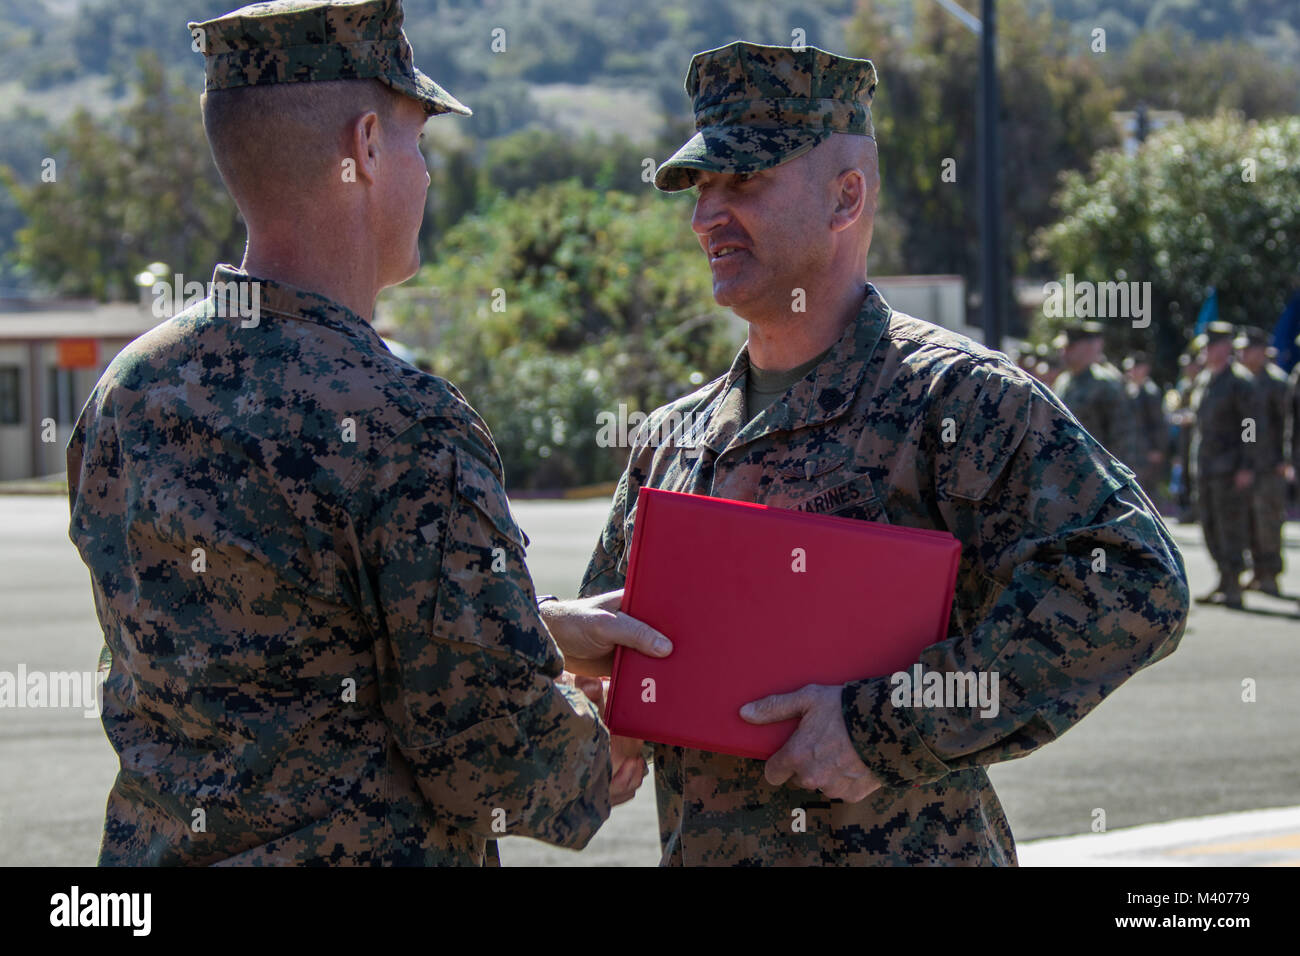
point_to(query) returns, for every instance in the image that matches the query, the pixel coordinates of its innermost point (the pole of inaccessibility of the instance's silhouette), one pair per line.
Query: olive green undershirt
(763, 387)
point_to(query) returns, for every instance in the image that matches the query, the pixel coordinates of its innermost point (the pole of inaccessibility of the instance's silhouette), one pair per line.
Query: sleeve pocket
(485, 594)
(477, 485)
(995, 426)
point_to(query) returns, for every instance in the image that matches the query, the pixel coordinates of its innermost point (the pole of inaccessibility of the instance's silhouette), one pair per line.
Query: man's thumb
(640, 636)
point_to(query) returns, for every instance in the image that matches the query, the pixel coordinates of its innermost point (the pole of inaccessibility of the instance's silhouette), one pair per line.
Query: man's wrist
(546, 603)
(884, 737)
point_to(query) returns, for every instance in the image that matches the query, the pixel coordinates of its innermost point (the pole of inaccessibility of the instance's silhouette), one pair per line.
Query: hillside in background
(57, 54)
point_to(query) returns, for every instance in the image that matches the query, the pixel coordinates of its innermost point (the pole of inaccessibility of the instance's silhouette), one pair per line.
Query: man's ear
(364, 145)
(851, 199)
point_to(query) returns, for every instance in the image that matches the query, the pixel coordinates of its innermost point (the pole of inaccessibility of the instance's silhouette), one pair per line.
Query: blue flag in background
(1209, 311)
(1284, 335)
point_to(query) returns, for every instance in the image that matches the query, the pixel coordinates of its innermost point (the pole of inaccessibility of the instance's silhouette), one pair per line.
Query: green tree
(535, 157)
(1168, 69)
(468, 174)
(127, 192)
(562, 302)
(1055, 115)
(1209, 203)
(21, 151)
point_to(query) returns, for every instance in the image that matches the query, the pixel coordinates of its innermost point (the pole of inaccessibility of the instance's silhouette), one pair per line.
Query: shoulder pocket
(477, 485)
(994, 427)
(485, 594)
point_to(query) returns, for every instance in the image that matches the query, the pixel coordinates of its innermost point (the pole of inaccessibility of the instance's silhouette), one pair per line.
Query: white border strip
(1148, 845)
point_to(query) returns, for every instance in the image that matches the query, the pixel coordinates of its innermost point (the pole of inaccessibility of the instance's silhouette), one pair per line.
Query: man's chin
(729, 293)
(736, 296)
(410, 271)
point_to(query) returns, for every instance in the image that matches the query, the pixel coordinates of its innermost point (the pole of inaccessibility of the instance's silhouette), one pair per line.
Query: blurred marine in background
(1224, 461)
(1093, 391)
(1268, 493)
(1151, 428)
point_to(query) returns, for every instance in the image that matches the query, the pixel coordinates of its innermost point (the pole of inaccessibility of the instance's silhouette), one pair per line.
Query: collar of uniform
(835, 385)
(827, 395)
(283, 299)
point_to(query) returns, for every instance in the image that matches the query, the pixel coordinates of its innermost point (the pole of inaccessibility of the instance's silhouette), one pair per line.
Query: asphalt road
(1175, 741)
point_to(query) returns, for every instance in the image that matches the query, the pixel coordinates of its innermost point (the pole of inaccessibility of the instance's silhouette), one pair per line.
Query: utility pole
(991, 284)
(992, 288)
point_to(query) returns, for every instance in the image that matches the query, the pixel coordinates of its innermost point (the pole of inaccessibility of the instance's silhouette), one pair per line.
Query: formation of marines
(1223, 443)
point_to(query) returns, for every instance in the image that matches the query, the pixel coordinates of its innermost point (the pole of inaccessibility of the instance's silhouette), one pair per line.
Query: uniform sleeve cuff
(885, 737)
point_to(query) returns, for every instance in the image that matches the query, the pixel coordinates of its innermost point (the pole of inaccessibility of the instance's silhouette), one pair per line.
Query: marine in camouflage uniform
(1223, 399)
(1147, 406)
(906, 423)
(321, 638)
(1293, 422)
(1268, 493)
(1094, 393)
(1184, 420)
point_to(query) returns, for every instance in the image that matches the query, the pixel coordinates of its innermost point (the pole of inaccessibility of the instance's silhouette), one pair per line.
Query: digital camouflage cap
(760, 106)
(301, 41)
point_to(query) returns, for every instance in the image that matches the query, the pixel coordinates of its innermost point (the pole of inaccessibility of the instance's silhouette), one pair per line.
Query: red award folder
(759, 601)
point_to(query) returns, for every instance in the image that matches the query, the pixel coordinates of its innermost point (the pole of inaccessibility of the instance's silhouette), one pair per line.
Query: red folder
(718, 578)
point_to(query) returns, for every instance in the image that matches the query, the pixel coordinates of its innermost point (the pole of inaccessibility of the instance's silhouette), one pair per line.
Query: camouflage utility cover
(910, 424)
(320, 628)
(760, 106)
(300, 41)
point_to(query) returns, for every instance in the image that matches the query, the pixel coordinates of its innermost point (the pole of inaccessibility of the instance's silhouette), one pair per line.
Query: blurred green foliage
(1055, 115)
(562, 302)
(1209, 203)
(1174, 71)
(127, 192)
(1268, 22)
(22, 149)
(467, 174)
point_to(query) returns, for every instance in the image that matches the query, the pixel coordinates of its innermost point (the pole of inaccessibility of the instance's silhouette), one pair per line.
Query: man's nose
(709, 213)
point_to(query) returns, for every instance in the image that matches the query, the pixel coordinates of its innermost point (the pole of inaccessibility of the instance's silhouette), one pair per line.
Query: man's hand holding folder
(587, 631)
(819, 755)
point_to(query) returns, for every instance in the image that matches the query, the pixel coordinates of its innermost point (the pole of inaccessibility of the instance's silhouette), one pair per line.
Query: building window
(63, 396)
(11, 378)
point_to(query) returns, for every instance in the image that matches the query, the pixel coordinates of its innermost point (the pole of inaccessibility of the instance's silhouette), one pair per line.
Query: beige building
(53, 353)
(51, 356)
